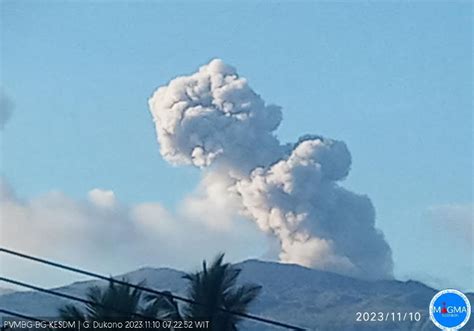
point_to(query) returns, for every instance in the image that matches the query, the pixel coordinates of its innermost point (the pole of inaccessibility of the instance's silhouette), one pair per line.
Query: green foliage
(214, 288)
(115, 303)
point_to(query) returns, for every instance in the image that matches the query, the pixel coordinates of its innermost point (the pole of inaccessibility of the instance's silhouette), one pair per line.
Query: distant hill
(309, 298)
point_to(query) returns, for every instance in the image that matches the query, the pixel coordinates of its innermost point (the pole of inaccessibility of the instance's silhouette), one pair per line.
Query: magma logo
(450, 310)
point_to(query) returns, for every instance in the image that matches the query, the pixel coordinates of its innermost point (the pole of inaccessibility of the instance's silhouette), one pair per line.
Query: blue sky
(393, 80)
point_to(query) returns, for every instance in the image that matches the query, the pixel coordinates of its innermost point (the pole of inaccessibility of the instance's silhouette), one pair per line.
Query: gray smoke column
(214, 120)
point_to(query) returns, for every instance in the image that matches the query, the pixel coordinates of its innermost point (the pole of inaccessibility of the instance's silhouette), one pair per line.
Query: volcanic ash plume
(214, 120)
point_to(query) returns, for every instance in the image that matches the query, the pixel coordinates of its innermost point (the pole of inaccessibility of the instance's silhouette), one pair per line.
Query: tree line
(214, 287)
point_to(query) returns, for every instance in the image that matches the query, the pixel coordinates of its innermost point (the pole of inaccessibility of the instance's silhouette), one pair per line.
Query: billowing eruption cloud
(214, 115)
(215, 121)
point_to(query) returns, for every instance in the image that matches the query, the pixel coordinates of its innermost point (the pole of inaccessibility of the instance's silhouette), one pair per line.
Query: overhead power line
(74, 298)
(146, 289)
(15, 314)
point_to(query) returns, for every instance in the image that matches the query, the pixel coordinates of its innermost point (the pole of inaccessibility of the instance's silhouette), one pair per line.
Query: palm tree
(116, 303)
(215, 289)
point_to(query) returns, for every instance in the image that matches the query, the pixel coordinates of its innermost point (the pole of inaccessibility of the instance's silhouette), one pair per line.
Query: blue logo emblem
(450, 310)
